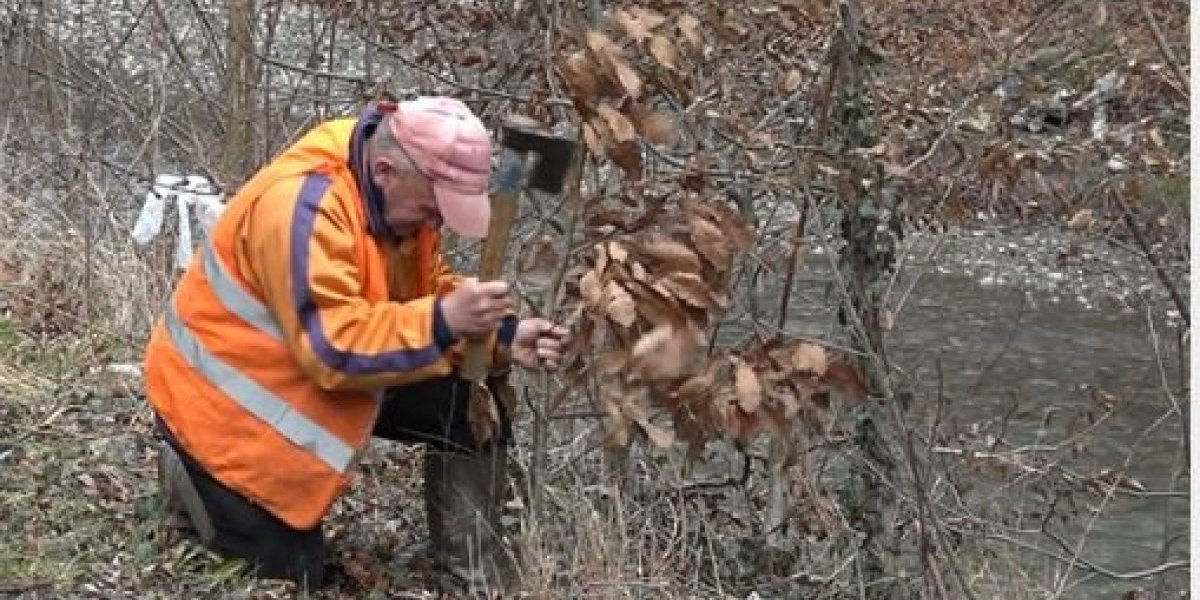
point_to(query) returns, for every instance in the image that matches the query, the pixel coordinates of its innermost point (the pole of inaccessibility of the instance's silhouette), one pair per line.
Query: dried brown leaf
(655, 127)
(1083, 219)
(617, 423)
(660, 437)
(729, 419)
(630, 81)
(809, 358)
(710, 241)
(620, 307)
(590, 289)
(671, 255)
(648, 16)
(843, 376)
(611, 363)
(608, 214)
(612, 64)
(663, 353)
(639, 272)
(747, 387)
(629, 25)
(791, 81)
(632, 25)
(788, 401)
(723, 409)
(601, 259)
(618, 252)
(592, 140)
(732, 225)
(689, 26)
(699, 384)
(664, 52)
(580, 341)
(656, 308)
(604, 133)
(621, 127)
(482, 415)
(580, 75)
(628, 156)
(691, 288)
(599, 43)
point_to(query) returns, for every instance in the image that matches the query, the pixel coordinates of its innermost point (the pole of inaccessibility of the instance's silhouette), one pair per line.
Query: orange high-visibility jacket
(267, 363)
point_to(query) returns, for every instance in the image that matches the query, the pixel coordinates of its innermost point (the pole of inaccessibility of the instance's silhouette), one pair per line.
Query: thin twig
(1181, 305)
(793, 264)
(537, 475)
(950, 123)
(1085, 564)
(1166, 50)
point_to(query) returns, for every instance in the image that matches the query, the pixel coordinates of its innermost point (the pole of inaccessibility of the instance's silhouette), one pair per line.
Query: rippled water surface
(1051, 325)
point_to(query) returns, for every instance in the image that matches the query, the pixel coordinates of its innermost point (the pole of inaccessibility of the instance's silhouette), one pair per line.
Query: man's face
(408, 200)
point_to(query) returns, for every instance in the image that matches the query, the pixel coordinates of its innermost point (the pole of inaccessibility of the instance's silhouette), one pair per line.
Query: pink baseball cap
(450, 145)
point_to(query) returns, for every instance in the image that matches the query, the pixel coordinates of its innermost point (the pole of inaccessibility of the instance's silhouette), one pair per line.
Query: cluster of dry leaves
(607, 84)
(651, 296)
(648, 302)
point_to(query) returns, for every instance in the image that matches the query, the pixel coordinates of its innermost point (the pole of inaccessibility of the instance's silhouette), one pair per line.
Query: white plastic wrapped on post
(192, 191)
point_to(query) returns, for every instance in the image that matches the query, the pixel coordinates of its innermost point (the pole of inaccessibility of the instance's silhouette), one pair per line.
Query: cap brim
(466, 214)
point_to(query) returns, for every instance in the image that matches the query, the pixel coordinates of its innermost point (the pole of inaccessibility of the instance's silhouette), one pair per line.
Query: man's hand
(538, 343)
(475, 308)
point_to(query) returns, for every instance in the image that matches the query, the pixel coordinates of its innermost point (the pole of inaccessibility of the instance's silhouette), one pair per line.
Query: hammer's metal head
(553, 152)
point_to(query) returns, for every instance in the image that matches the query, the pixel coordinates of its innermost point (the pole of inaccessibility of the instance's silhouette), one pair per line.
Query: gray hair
(384, 143)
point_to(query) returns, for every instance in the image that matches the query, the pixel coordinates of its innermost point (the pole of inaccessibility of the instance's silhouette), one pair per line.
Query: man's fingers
(493, 289)
(493, 306)
(551, 343)
(549, 358)
(548, 330)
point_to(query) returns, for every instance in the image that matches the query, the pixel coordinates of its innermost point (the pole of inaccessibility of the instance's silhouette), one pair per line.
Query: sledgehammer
(522, 142)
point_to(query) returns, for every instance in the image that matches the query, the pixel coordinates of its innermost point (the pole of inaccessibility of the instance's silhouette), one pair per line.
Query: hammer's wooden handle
(491, 265)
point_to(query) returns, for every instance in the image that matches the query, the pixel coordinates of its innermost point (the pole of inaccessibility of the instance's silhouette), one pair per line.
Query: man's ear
(382, 168)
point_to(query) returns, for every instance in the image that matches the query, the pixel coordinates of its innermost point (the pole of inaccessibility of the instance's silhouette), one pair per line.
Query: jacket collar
(370, 193)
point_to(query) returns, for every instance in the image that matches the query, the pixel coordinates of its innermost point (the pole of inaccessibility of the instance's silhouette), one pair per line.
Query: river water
(1057, 327)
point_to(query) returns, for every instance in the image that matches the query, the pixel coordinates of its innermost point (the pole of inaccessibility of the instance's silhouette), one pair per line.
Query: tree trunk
(870, 228)
(242, 73)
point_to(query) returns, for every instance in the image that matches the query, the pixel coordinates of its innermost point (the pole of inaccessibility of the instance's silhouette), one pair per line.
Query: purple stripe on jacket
(351, 363)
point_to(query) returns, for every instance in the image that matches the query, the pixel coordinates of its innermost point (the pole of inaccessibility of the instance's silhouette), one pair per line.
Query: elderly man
(321, 313)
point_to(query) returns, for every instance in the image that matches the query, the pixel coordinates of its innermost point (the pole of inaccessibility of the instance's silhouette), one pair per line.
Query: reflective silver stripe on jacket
(235, 298)
(256, 399)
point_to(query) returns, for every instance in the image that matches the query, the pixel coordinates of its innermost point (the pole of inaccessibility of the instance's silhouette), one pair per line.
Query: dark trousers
(432, 412)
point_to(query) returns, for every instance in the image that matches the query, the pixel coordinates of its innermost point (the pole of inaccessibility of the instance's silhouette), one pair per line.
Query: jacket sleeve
(310, 271)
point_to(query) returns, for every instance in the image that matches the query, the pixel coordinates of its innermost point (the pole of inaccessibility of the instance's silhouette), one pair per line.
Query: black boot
(182, 507)
(463, 497)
